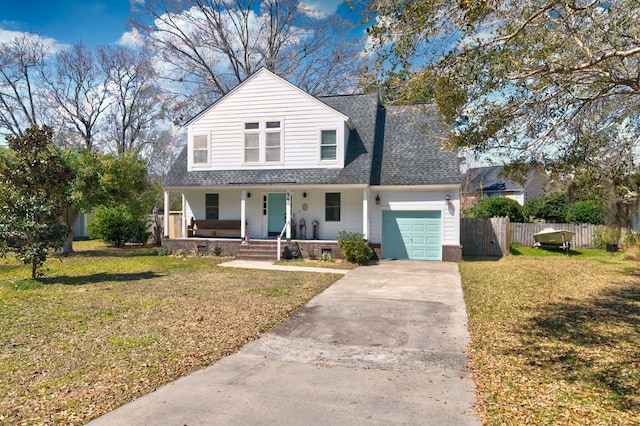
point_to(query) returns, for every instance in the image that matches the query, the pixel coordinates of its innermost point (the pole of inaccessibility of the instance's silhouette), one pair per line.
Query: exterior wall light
(447, 200)
(377, 199)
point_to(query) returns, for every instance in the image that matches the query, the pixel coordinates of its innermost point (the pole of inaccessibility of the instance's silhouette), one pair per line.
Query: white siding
(417, 200)
(266, 97)
(229, 202)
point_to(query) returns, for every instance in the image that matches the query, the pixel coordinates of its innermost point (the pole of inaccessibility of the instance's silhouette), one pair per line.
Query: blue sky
(64, 22)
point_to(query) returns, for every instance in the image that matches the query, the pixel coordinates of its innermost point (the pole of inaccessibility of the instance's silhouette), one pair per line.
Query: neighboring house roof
(490, 179)
(387, 146)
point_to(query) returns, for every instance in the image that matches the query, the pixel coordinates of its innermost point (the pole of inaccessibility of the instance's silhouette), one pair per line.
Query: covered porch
(265, 213)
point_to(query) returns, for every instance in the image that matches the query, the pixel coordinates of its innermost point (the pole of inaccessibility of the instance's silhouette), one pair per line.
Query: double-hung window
(273, 142)
(211, 206)
(332, 207)
(263, 141)
(328, 145)
(251, 142)
(200, 149)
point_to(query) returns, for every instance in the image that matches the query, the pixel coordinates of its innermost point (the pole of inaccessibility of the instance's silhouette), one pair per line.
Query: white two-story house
(282, 162)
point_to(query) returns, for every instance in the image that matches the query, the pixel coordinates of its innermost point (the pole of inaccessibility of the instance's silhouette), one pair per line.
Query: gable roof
(254, 76)
(387, 146)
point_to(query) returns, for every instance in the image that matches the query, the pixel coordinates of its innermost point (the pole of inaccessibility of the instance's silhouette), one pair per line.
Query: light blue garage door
(411, 235)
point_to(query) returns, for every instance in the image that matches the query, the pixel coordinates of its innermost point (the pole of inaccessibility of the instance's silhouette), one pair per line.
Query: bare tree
(209, 46)
(137, 99)
(76, 86)
(20, 61)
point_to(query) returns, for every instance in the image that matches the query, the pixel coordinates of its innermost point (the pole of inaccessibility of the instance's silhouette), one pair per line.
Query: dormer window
(328, 145)
(263, 141)
(200, 149)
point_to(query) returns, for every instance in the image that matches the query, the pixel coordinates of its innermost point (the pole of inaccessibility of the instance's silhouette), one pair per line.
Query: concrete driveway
(385, 345)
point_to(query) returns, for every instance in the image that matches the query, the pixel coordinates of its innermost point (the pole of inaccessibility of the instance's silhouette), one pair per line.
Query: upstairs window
(251, 142)
(332, 207)
(273, 142)
(211, 206)
(200, 149)
(263, 142)
(328, 145)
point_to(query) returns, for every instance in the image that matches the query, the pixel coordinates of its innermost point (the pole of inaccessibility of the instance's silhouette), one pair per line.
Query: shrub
(354, 247)
(588, 211)
(117, 225)
(163, 251)
(496, 207)
(551, 208)
(631, 239)
(217, 250)
(326, 257)
(311, 254)
(604, 235)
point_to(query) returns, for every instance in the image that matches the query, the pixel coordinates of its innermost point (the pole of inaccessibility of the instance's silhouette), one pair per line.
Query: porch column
(185, 219)
(166, 215)
(365, 213)
(243, 214)
(288, 215)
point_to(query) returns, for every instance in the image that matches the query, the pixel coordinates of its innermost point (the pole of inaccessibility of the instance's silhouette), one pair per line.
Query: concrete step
(259, 250)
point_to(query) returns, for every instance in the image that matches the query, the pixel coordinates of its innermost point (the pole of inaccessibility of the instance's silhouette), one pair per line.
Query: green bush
(604, 235)
(163, 251)
(117, 226)
(631, 239)
(496, 207)
(354, 247)
(551, 208)
(588, 211)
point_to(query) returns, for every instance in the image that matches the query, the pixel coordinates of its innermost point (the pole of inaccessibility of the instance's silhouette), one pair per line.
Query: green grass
(555, 338)
(107, 325)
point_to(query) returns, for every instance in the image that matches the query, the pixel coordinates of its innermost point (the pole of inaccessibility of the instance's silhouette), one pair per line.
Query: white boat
(552, 237)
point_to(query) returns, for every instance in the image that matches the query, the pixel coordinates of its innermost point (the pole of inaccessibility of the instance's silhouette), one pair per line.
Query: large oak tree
(541, 81)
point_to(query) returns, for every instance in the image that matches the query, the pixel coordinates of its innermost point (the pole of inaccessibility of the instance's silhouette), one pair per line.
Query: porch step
(258, 250)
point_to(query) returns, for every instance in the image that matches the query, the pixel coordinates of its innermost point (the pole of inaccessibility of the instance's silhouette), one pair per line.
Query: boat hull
(553, 237)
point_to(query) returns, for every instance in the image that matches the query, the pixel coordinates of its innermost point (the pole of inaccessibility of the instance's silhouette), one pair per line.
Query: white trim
(324, 216)
(192, 150)
(166, 214)
(337, 146)
(277, 77)
(262, 132)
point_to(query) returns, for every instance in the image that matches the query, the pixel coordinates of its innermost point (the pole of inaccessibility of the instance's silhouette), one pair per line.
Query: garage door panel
(411, 235)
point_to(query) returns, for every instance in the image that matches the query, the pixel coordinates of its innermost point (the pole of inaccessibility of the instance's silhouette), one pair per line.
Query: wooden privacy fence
(522, 233)
(485, 237)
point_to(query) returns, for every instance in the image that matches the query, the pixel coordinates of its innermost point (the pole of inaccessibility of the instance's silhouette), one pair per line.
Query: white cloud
(53, 45)
(131, 39)
(319, 9)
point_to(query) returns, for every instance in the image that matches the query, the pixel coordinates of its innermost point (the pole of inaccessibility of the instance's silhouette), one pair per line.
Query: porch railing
(284, 229)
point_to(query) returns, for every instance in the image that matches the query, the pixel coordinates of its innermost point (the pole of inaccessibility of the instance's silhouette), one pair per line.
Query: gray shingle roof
(399, 149)
(412, 151)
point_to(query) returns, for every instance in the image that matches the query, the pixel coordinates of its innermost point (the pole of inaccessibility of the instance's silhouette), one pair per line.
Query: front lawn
(108, 325)
(555, 338)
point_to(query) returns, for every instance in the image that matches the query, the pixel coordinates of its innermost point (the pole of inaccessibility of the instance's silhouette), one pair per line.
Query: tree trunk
(34, 268)
(70, 219)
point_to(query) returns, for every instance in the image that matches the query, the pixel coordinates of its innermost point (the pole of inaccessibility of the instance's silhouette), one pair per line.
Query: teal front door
(277, 213)
(411, 235)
